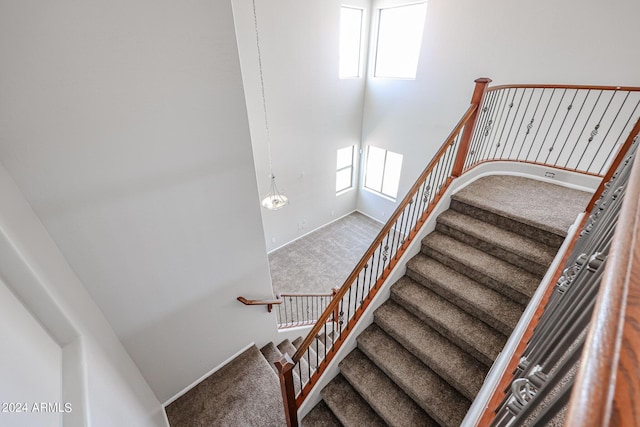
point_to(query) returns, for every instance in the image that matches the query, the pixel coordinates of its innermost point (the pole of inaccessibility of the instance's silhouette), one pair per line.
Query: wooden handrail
(268, 303)
(306, 295)
(608, 379)
(560, 86)
(332, 307)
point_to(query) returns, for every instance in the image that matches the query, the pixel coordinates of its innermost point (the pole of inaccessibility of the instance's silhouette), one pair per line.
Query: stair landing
(540, 204)
(245, 392)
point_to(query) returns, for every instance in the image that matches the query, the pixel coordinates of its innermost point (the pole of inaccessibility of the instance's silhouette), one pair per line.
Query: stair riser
(432, 406)
(443, 330)
(389, 329)
(500, 253)
(509, 224)
(379, 391)
(463, 304)
(503, 288)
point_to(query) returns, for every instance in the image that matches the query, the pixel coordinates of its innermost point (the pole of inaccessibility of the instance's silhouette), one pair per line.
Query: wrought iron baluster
(493, 131)
(544, 114)
(515, 116)
(530, 126)
(524, 115)
(553, 119)
(569, 108)
(586, 122)
(624, 131)
(615, 118)
(478, 133)
(588, 91)
(504, 124)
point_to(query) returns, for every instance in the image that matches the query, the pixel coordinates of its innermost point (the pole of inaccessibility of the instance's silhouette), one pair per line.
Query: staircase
(425, 357)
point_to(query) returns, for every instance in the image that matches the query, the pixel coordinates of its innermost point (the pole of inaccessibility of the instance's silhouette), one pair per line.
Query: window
(382, 172)
(399, 39)
(344, 166)
(350, 41)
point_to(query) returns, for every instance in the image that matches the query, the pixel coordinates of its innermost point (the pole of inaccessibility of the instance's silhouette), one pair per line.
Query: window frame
(380, 192)
(361, 42)
(351, 166)
(386, 5)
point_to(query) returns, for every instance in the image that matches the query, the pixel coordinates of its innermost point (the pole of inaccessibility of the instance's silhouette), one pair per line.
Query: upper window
(350, 41)
(344, 166)
(382, 172)
(399, 39)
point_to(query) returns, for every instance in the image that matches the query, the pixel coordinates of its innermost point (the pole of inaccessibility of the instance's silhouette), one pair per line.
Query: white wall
(99, 380)
(30, 367)
(568, 41)
(311, 112)
(123, 124)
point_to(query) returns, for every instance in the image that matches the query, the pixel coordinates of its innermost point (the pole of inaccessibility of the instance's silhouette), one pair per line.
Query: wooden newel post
(336, 311)
(476, 99)
(285, 372)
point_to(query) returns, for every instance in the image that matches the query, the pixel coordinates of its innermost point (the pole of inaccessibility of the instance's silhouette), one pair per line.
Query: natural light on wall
(399, 39)
(382, 171)
(350, 41)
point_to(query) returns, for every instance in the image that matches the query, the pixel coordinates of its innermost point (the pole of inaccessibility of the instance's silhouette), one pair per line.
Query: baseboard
(313, 231)
(208, 374)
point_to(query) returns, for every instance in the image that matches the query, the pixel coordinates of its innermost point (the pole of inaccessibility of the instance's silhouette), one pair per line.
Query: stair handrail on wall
(549, 125)
(295, 309)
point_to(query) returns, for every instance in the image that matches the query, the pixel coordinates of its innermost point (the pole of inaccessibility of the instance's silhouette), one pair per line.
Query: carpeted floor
(245, 392)
(323, 259)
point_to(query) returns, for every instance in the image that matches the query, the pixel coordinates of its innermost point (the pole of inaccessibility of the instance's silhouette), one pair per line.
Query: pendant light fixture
(273, 200)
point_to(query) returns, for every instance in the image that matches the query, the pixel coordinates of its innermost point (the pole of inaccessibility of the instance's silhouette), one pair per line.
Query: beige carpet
(323, 259)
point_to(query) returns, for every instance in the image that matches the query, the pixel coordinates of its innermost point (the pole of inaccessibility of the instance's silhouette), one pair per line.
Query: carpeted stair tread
(348, 406)
(545, 206)
(296, 343)
(439, 399)
(239, 399)
(453, 364)
(484, 303)
(502, 276)
(477, 338)
(320, 416)
(522, 251)
(381, 393)
(272, 354)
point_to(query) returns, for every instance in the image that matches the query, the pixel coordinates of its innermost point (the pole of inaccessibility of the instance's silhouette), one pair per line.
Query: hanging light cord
(264, 100)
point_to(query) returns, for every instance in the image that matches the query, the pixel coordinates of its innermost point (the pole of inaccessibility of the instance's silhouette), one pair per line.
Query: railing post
(336, 311)
(285, 373)
(476, 99)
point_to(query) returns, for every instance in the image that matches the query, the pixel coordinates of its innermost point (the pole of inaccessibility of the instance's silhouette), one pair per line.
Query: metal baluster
(515, 116)
(504, 124)
(478, 138)
(553, 119)
(604, 138)
(572, 126)
(553, 144)
(622, 132)
(544, 114)
(524, 115)
(504, 99)
(530, 125)
(583, 129)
